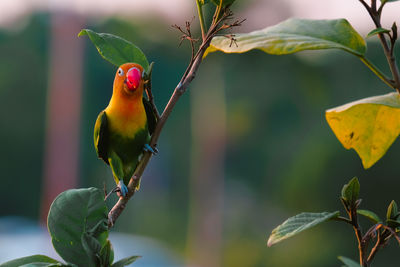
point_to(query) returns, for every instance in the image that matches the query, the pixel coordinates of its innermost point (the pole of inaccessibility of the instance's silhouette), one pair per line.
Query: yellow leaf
(369, 125)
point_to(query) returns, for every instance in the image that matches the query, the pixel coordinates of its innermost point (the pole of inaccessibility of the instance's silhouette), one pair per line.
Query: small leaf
(297, 224)
(349, 262)
(350, 192)
(377, 31)
(107, 254)
(29, 259)
(115, 49)
(369, 125)
(392, 211)
(394, 31)
(384, 1)
(370, 215)
(74, 214)
(125, 261)
(295, 35)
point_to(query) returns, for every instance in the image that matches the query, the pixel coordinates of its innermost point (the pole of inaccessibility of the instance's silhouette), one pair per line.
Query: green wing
(151, 117)
(101, 136)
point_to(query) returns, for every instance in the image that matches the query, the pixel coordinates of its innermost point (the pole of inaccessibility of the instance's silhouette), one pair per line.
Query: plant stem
(375, 248)
(357, 230)
(201, 19)
(186, 79)
(343, 219)
(377, 72)
(376, 18)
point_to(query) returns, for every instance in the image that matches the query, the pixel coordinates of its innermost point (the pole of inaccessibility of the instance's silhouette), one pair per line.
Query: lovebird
(123, 129)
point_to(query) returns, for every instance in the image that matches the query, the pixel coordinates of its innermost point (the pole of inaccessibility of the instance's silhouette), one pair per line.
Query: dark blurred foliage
(282, 158)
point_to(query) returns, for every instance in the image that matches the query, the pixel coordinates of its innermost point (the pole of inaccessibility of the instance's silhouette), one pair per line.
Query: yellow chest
(126, 119)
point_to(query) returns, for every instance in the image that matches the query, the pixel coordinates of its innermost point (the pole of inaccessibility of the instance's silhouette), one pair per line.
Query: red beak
(133, 77)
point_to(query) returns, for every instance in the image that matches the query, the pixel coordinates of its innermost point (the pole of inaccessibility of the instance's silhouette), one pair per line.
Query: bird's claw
(122, 188)
(148, 148)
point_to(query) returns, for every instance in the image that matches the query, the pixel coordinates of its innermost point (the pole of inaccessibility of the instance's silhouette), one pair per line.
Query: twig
(375, 249)
(343, 219)
(186, 79)
(362, 245)
(388, 51)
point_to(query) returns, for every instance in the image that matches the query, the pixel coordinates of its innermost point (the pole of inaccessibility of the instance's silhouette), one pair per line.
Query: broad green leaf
(297, 224)
(370, 215)
(295, 35)
(349, 262)
(29, 259)
(351, 191)
(125, 261)
(377, 31)
(384, 1)
(369, 125)
(115, 49)
(74, 215)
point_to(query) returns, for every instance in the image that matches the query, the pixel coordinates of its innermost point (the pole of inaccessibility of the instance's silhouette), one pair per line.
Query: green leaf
(392, 211)
(115, 49)
(107, 254)
(299, 223)
(377, 31)
(125, 261)
(29, 259)
(351, 191)
(384, 1)
(349, 262)
(92, 247)
(369, 125)
(370, 215)
(295, 35)
(74, 215)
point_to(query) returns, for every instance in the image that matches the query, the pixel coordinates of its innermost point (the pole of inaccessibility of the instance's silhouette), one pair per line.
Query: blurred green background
(247, 146)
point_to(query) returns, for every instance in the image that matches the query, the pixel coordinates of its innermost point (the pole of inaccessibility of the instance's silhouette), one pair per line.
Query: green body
(119, 151)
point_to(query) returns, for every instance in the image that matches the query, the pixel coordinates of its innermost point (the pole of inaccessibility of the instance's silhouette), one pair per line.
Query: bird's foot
(122, 188)
(148, 148)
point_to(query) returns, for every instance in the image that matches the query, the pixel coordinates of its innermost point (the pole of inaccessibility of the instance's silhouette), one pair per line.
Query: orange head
(129, 80)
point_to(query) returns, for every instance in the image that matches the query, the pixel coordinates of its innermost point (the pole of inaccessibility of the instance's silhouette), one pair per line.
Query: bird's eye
(120, 72)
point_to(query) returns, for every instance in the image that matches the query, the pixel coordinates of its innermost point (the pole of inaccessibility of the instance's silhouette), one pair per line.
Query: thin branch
(186, 79)
(362, 244)
(388, 51)
(378, 72)
(343, 219)
(375, 249)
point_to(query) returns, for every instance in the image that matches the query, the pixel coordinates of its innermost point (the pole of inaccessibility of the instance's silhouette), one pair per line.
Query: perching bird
(122, 131)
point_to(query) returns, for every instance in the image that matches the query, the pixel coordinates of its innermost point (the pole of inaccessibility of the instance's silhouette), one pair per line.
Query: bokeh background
(246, 147)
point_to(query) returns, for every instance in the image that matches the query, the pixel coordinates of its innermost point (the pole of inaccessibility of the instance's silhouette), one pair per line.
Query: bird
(123, 129)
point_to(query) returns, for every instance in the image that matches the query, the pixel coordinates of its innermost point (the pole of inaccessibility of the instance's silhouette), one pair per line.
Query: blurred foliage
(281, 158)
